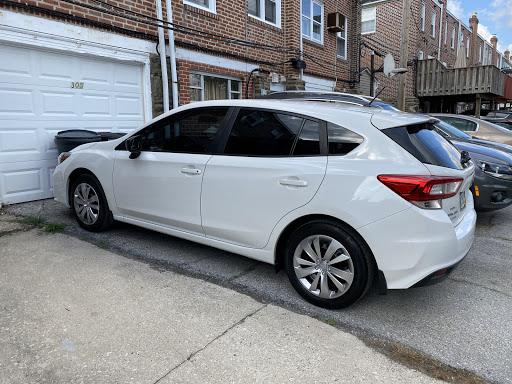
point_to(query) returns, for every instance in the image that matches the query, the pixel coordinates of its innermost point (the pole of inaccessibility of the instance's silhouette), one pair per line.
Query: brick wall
(231, 20)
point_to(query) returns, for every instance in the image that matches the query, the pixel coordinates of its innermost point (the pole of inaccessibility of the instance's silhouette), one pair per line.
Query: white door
(266, 172)
(42, 93)
(163, 184)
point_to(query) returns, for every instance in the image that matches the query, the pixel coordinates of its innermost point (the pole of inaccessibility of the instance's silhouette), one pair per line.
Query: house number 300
(77, 85)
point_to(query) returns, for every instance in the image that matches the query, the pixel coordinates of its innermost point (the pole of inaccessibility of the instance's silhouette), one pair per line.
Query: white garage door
(42, 93)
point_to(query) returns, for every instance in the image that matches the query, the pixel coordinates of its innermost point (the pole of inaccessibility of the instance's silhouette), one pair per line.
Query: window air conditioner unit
(335, 22)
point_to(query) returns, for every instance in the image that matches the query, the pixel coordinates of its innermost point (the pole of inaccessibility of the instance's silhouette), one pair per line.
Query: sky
(495, 17)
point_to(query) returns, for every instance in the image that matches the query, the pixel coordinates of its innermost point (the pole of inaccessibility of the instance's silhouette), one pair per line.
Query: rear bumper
(412, 245)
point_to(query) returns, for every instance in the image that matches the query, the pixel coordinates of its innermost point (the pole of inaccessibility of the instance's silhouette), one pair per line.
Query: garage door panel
(25, 181)
(128, 107)
(96, 105)
(55, 67)
(18, 140)
(59, 104)
(15, 65)
(128, 78)
(16, 101)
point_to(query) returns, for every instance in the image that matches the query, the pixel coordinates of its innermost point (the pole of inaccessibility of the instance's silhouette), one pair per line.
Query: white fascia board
(59, 35)
(217, 61)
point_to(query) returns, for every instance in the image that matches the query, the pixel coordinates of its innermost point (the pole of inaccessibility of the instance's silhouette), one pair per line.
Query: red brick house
(435, 33)
(94, 64)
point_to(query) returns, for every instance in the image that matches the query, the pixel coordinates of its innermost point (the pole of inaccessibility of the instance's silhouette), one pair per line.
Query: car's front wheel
(89, 204)
(327, 265)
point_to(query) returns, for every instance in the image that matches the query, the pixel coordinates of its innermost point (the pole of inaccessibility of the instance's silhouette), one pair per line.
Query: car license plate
(462, 197)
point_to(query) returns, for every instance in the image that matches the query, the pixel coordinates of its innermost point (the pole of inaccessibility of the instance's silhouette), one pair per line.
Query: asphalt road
(465, 321)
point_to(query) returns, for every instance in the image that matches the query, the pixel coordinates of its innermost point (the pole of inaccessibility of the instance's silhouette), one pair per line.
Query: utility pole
(404, 50)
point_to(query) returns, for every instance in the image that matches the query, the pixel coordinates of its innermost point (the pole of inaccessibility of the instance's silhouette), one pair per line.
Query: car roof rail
(318, 96)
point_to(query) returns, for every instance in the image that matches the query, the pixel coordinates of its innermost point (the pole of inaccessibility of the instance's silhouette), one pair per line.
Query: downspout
(458, 39)
(300, 40)
(163, 56)
(172, 56)
(440, 33)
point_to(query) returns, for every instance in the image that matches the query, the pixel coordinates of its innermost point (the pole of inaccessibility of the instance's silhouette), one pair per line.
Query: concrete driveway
(73, 312)
(465, 322)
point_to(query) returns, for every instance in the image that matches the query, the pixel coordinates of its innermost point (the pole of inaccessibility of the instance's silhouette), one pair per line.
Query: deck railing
(434, 79)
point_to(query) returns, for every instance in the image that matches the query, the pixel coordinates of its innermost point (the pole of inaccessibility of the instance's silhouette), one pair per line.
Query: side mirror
(134, 146)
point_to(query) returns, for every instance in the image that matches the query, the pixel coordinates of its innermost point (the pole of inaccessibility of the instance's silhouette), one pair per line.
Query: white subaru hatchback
(339, 195)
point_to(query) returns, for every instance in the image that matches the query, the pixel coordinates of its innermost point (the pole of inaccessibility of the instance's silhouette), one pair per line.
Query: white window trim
(452, 41)
(375, 18)
(445, 31)
(433, 24)
(480, 53)
(346, 43)
(212, 8)
(423, 16)
(210, 74)
(467, 47)
(310, 36)
(262, 8)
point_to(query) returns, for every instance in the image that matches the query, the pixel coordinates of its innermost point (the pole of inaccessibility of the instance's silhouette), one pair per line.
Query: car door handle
(294, 182)
(191, 171)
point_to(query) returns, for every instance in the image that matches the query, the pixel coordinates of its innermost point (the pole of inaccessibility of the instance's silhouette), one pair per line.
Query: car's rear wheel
(89, 204)
(327, 265)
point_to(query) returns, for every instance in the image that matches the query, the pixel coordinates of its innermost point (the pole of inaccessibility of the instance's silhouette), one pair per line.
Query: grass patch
(103, 246)
(54, 227)
(33, 221)
(40, 222)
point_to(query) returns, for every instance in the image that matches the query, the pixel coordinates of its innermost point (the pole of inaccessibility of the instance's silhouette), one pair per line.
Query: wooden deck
(434, 79)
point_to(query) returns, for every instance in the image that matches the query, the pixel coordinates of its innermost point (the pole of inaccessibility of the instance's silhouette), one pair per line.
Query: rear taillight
(423, 191)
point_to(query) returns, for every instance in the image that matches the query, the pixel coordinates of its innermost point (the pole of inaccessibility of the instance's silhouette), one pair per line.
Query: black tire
(314, 278)
(89, 204)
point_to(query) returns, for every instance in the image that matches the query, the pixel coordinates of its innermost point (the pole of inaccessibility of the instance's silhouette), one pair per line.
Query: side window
(308, 142)
(263, 133)
(462, 124)
(341, 140)
(190, 131)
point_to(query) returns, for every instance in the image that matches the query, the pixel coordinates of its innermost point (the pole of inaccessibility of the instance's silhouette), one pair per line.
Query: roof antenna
(383, 88)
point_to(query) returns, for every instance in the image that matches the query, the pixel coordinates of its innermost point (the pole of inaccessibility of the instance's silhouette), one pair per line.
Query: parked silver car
(477, 128)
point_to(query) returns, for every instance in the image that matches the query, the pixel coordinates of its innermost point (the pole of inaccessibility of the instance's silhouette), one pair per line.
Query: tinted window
(308, 142)
(341, 140)
(462, 124)
(447, 130)
(426, 145)
(190, 131)
(263, 133)
(501, 115)
(505, 125)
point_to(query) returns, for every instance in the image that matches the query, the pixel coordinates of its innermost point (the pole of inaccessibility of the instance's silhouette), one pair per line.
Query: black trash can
(106, 136)
(67, 140)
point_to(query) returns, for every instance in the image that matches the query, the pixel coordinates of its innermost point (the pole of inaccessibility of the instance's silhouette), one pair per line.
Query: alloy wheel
(86, 203)
(323, 266)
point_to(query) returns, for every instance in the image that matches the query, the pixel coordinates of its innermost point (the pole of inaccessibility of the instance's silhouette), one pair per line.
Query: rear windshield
(426, 145)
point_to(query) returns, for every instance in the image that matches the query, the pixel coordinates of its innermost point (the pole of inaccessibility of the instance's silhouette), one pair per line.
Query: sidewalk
(73, 312)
